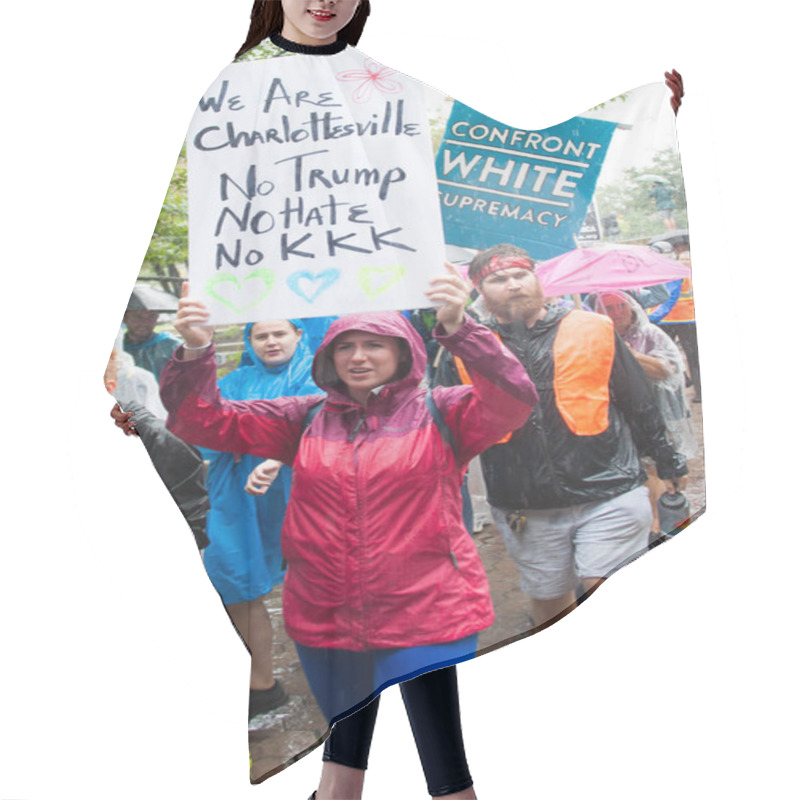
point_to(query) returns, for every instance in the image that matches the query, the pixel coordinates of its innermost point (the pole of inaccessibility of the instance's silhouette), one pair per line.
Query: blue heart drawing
(309, 286)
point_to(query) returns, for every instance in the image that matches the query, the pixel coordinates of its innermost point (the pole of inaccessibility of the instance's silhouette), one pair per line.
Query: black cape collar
(307, 49)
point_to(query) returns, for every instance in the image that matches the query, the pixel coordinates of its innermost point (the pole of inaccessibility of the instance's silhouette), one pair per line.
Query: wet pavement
(282, 737)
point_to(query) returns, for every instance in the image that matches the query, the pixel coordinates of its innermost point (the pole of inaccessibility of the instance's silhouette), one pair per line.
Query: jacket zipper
(352, 437)
(360, 509)
(535, 423)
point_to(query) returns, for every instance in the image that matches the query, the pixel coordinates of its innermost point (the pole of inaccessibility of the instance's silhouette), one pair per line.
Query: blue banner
(527, 188)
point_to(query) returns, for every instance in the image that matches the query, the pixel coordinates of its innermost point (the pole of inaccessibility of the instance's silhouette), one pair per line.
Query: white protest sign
(312, 190)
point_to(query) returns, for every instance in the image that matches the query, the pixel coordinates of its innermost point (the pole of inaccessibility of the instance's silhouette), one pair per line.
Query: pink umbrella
(592, 269)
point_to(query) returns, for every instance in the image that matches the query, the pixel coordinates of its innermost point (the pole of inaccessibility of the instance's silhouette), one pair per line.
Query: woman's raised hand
(191, 323)
(450, 292)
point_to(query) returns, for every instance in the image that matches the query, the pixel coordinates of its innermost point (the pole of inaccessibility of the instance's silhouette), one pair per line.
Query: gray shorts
(558, 546)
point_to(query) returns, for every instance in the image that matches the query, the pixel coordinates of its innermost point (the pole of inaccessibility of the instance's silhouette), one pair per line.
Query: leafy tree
(168, 251)
(621, 97)
(437, 122)
(634, 208)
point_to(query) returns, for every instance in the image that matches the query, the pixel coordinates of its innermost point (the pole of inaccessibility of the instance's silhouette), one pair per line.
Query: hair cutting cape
(323, 185)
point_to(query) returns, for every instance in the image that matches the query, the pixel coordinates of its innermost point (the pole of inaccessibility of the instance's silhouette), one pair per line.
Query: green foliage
(263, 51)
(620, 97)
(438, 122)
(635, 209)
(229, 346)
(169, 244)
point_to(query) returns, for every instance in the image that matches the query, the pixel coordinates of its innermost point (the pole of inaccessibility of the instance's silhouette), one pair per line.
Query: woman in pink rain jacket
(383, 580)
(377, 553)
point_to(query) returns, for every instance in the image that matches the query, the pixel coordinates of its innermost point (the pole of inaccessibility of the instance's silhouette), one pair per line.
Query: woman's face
(364, 361)
(315, 22)
(274, 342)
(618, 310)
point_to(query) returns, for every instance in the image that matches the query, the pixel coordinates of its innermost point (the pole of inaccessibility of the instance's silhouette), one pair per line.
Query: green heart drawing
(375, 281)
(267, 276)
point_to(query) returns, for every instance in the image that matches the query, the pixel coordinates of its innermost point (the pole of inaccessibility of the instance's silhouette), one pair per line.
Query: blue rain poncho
(244, 558)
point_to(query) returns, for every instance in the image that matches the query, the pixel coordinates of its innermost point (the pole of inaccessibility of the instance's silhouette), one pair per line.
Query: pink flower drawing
(371, 77)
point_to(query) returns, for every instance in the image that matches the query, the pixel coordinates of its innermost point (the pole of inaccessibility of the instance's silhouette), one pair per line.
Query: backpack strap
(310, 414)
(438, 419)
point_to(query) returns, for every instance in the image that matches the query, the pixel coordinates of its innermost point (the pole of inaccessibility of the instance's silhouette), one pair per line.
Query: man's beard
(525, 308)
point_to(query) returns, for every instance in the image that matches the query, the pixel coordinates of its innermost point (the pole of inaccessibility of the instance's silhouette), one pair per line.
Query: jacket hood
(639, 320)
(645, 337)
(249, 357)
(255, 380)
(389, 323)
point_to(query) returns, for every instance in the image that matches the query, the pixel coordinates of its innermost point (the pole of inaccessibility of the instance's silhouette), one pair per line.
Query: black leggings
(431, 702)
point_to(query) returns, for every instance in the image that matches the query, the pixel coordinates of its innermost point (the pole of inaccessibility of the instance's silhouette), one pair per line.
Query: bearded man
(567, 489)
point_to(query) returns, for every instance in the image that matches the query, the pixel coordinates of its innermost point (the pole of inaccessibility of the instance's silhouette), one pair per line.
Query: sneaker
(263, 701)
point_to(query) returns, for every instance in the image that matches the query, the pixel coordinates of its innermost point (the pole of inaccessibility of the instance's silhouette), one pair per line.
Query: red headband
(498, 263)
